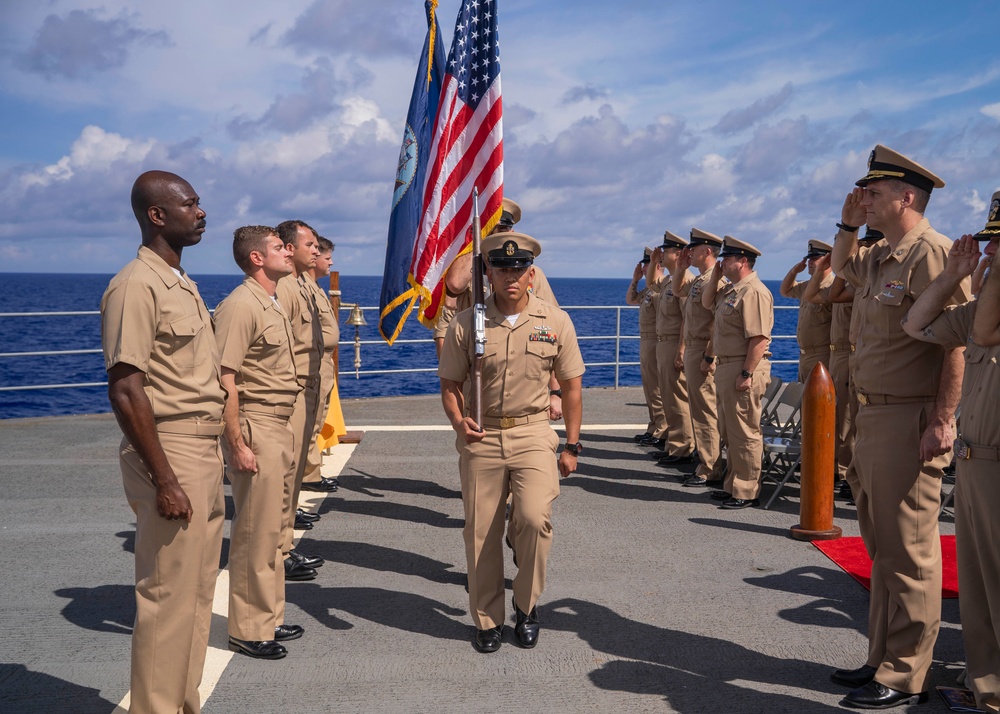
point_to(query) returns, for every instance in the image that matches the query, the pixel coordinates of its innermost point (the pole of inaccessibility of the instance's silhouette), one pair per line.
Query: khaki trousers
(521, 460)
(674, 398)
(903, 499)
(704, 414)
(256, 565)
(176, 566)
(651, 385)
(978, 539)
(840, 374)
(740, 413)
(302, 422)
(810, 360)
(314, 459)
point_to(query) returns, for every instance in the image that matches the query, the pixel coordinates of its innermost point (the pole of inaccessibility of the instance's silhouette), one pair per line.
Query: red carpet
(850, 554)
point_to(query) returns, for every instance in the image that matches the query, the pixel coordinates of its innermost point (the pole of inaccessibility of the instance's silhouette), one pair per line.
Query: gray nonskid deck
(656, 600)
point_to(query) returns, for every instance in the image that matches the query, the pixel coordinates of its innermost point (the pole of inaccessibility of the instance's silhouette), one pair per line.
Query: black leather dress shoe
(324, 485)
(694, 481)
(488, 640)
(264, 649)
(306, 516)
(297, 572)
(878, 696)
(283, 633)
(310, 561)
(639, 437)
(526, 627)
(732, 504)
(676, 460)
(302, 525)
(720, 495)
(854, 678)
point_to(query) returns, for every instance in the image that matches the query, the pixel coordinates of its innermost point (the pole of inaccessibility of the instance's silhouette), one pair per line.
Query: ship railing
(618, 338)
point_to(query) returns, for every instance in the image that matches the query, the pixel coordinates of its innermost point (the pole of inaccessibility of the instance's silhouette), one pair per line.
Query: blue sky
(621, 120)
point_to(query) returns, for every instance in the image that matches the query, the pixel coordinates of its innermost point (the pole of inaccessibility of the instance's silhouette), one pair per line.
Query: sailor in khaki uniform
(744, 317)
(648, 300)
(679, 446)
(458, 284)
(813, 329)
(699, 355)
(297, 303)
(527, 341)
(312, 478)
(165, 389)
(976, 326)
(908, 392)
(258, 372)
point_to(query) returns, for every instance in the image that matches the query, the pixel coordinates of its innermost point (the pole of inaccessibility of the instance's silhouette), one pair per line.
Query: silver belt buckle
(962, 451)
(506, 422)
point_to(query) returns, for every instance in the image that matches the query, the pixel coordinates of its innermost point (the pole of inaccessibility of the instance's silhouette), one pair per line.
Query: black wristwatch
(746, 375)
(555, 393)
(849, 229)
(574, 449)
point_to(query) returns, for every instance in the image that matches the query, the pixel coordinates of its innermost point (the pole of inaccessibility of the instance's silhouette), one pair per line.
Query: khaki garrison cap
(732, 246)
(700, 237)
(818, 248)
(671, 240)
(884, 163)
(511, 213)
(992, 229)
(510, 250)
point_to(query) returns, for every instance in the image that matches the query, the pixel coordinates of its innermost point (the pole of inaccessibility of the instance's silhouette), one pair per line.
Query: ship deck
(656, 600)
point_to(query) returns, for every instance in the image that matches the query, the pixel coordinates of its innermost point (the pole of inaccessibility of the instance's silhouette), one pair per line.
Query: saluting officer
(815, 318)
(908, 392)
(527, 342)
(648, 300)
(258, 372)
(699, 355)
(976, 325)
(679, 446)
(164, 387)
(744, 317)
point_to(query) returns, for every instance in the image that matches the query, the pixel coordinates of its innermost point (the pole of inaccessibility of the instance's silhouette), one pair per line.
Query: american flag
(466, 152)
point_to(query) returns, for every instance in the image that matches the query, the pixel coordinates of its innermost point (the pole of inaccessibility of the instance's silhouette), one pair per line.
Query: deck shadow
(390, 608)
(693, 673)
(29, 692)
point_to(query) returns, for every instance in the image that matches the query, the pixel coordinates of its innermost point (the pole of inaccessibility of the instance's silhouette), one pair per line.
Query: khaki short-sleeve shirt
(980, 419)
(743, 310)
(297, 303)
(697, 318)
(157, 322)
(255, 340)
(650, 301)
(887, 360)
(519, 359)
(670, 309)
(327, 320)
(813, 330)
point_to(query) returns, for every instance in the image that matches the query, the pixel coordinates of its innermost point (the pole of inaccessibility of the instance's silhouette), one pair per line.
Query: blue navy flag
(398, 293)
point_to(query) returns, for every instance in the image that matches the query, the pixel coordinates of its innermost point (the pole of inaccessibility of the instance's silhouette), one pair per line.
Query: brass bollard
(819, 424)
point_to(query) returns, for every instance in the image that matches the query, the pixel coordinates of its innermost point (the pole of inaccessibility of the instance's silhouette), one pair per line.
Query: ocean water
(32, 292)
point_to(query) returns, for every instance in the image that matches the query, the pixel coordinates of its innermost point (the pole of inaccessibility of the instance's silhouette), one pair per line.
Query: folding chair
(782, 436)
